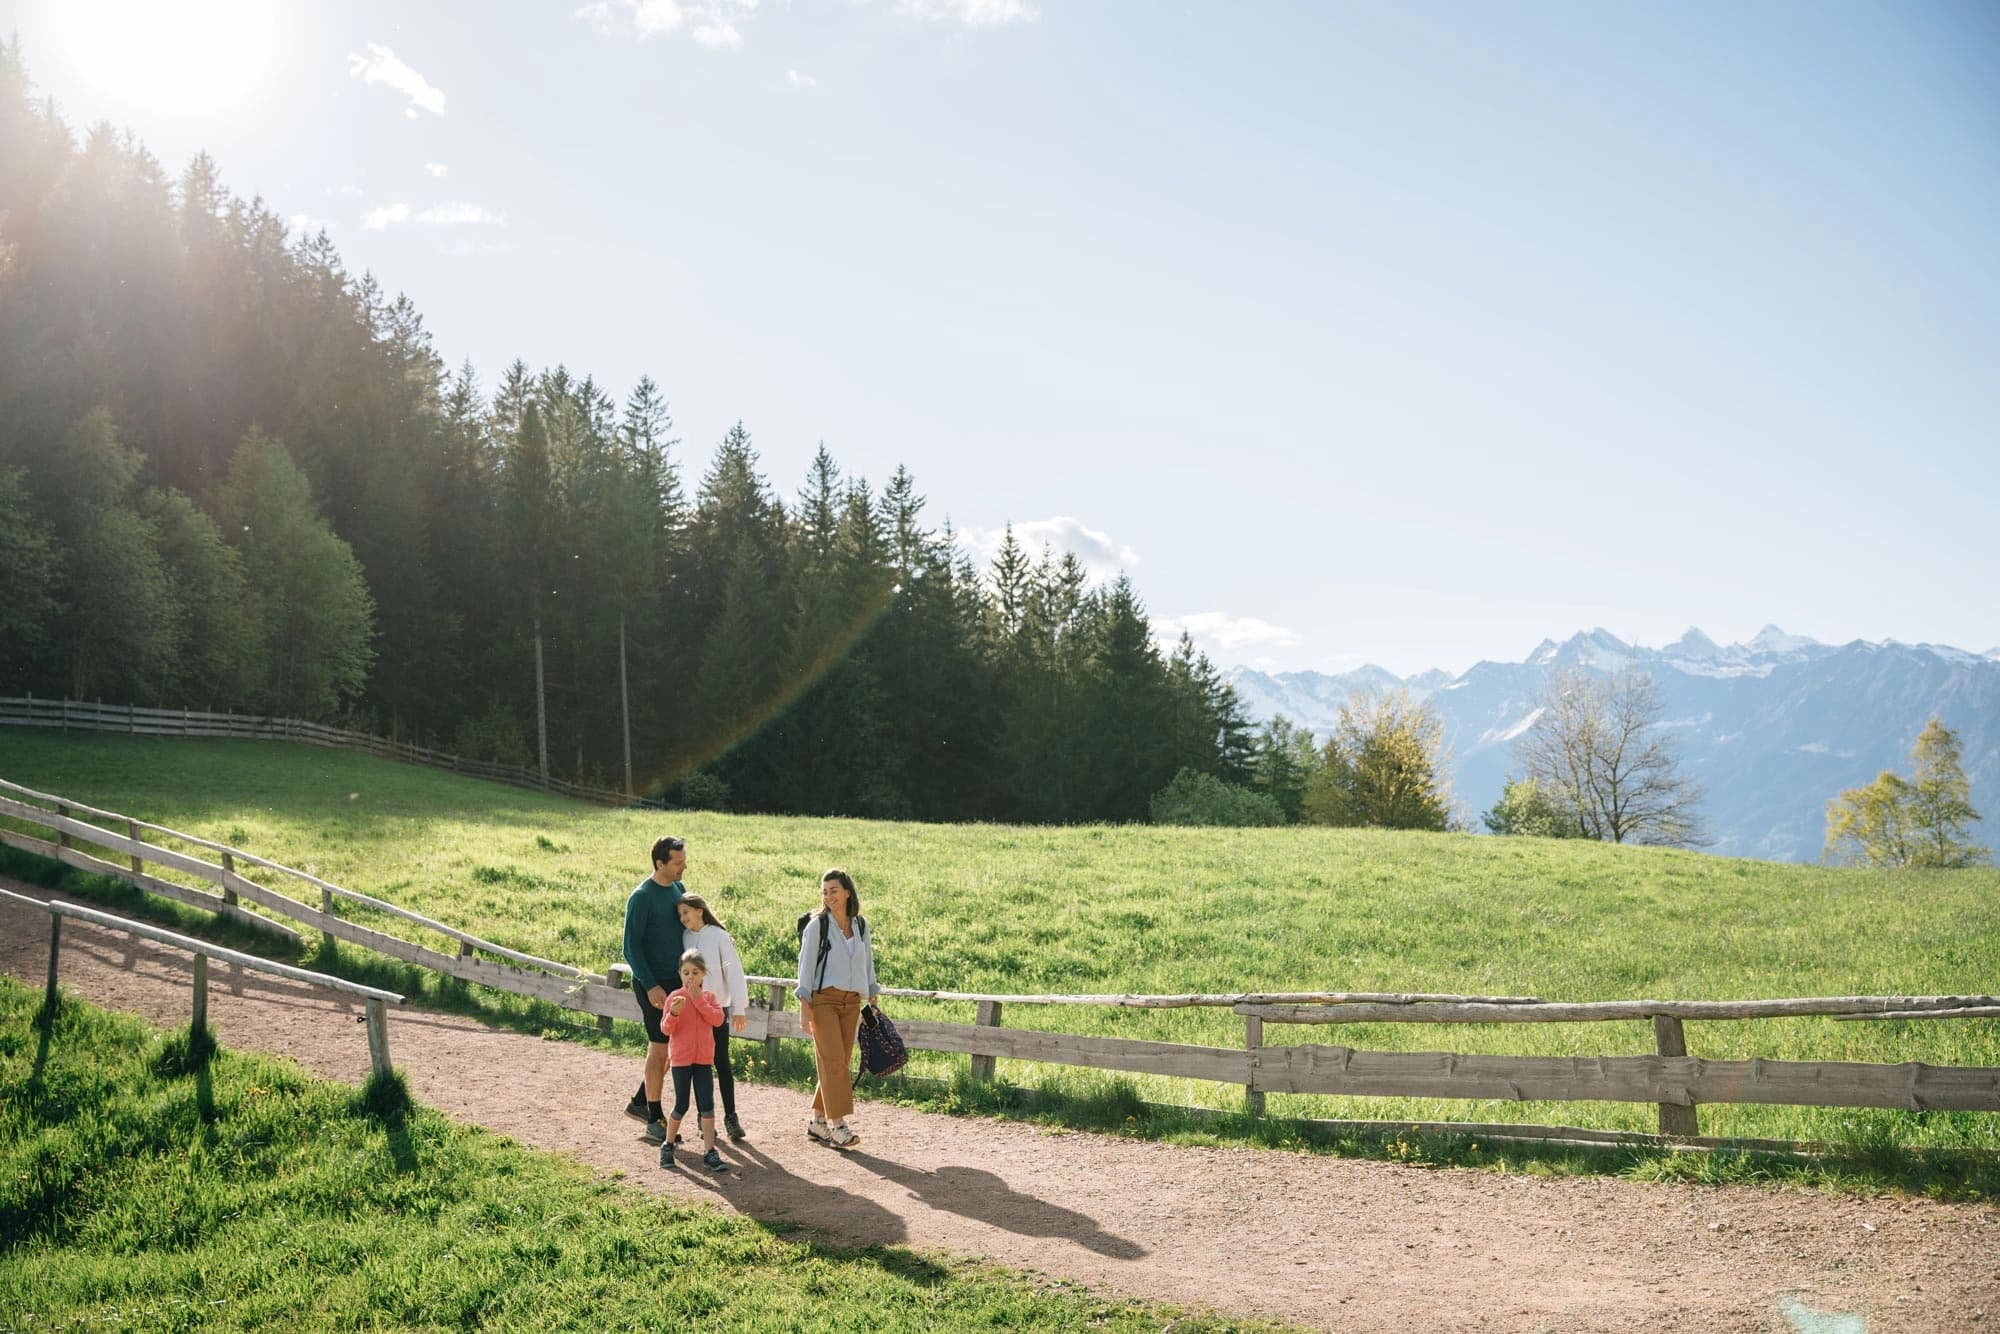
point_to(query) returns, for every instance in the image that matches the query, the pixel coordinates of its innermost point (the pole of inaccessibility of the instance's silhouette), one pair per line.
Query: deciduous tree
(1597, 750)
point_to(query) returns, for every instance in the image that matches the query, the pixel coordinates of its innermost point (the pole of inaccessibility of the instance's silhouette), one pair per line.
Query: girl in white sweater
(724, 981)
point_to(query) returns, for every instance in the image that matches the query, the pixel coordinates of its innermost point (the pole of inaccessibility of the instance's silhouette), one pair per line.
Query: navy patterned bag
(882, 1049)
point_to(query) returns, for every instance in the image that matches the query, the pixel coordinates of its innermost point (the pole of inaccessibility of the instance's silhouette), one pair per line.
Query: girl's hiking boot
(733, 1127)
(713, 1161)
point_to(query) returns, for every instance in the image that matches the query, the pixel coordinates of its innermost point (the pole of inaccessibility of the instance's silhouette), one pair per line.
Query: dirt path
(1331, 1243)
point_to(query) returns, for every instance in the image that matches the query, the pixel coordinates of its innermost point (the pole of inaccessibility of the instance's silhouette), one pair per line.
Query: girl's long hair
(697, 901)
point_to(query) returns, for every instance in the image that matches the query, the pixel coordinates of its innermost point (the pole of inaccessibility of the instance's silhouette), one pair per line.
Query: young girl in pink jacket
(690, 1019)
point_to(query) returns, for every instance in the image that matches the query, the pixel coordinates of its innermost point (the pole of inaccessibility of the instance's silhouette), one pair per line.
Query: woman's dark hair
(699, 903)
(846, 883)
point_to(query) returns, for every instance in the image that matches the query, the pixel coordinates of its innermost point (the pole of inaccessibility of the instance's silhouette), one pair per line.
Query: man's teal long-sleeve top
(653, 935)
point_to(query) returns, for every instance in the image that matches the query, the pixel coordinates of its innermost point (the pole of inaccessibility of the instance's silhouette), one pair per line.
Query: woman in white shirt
(724, 980)
(836, 974)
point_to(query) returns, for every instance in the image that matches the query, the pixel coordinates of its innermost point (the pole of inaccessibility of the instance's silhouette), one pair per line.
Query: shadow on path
(838, 1217)
(987, 1198)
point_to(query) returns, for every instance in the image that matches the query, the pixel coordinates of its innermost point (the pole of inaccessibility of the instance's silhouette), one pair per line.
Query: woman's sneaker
(733, 1127)
(713, 1161)
(819, 1130)
(841, 1137)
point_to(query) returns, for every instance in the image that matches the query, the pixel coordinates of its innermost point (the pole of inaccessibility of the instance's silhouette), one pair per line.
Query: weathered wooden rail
(1672, 1079)
(84, 716)
(375, 1001)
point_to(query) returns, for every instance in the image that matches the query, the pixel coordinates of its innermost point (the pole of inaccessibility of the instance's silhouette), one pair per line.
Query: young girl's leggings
(725, 1078)
(695, 1078)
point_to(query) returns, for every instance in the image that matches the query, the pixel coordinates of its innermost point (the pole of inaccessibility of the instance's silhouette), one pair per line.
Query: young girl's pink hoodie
(691, 1033)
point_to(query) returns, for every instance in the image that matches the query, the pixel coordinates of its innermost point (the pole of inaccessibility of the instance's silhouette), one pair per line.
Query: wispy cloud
(460, 214)
(305, 224)
(1218, 629)
(712, 24)
(381, 66)
(436, 170)
(972, 13)
(384, 216)
(1103, 556)
(719, 34)
(798, 80)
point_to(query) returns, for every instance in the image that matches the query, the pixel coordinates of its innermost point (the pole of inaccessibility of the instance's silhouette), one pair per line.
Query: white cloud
(459, 214)
(436, 170)
(1103, 556)
(1221, 630)
(383, 216)
(798, 80)
(711, 24)
(381, 66)
(718, 35)
(972, 13)
(305, 224)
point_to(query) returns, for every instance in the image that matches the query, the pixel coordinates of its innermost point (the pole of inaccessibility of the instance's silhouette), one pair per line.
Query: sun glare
(145, 60)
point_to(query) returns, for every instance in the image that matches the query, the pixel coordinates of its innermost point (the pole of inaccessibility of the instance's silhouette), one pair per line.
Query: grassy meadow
(143, 1186)
(1143, 909)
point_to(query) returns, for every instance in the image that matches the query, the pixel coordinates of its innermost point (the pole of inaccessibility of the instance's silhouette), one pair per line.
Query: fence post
(228, 869)
(1253, 1042)
(378, 1037)
(777, 1002)
(200, 995)
(62, 835)
(132, 832)
(1675, 1118)
(604, 1020)
(326, 900)
(989, 1017)
(55, 955)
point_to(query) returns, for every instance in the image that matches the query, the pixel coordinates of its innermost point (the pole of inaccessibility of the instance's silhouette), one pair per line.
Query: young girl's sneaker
(713, 1161)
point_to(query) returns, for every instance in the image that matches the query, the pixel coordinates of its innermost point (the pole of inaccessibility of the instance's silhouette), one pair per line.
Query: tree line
(234, 475)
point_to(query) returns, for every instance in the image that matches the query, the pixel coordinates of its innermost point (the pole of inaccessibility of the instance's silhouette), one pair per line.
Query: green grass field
(143, 1188)
(1141, 909)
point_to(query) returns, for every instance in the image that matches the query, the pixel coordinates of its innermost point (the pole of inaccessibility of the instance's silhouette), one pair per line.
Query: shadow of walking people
(767, 1191)
(989, 1199)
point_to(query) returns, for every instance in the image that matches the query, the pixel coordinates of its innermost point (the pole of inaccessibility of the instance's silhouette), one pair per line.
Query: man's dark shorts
(650, 1017)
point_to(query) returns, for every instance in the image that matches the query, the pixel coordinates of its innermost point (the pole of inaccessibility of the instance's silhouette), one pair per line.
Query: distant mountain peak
(1543, 652)
(1771, 639)
(1694, 644)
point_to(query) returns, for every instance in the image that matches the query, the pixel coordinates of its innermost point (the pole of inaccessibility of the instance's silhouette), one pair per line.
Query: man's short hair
(666, 847)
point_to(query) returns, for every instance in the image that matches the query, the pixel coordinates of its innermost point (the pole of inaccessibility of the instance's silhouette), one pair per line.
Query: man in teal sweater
(653, 952)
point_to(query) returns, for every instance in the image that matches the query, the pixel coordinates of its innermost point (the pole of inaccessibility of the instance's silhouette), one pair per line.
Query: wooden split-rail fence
(84, 716)
(375, 1001)
(1670, 1077)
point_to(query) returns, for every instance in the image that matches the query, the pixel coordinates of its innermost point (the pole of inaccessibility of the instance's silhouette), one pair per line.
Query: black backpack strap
(825, 948)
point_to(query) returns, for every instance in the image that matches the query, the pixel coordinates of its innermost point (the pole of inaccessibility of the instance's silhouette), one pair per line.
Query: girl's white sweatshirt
(724, 979)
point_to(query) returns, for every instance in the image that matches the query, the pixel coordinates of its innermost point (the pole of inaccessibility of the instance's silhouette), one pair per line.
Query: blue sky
(1397, 333)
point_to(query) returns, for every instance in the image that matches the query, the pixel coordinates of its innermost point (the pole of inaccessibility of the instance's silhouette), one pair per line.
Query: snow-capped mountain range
(1771, 728)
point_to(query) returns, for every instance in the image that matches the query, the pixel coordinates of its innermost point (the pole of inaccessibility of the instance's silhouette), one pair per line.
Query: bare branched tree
(1596, 747)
